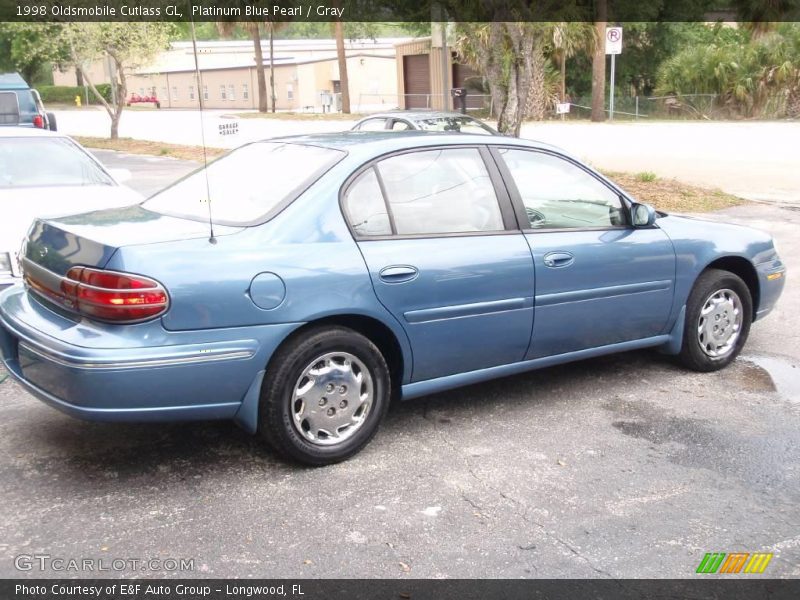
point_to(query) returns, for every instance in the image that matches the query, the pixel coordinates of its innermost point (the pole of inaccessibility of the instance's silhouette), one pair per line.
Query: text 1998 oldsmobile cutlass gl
(349, 269)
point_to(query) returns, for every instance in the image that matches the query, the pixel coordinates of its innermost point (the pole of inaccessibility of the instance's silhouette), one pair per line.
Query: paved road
(756, 160)
(620, 466)
(149, 173)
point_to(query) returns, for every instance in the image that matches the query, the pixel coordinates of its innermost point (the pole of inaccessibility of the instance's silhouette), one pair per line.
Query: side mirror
(120, 175)
(642, 215)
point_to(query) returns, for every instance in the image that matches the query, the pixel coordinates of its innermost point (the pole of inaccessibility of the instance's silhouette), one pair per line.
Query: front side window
(245, 92)
(231, 92)
(191, 92)
(246, 184)
(559, 195)
(174, 92)
(67, 165)
(440, 191)
(222, 93)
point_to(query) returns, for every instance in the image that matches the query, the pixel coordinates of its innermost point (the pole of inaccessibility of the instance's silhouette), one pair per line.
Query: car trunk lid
(90, 239)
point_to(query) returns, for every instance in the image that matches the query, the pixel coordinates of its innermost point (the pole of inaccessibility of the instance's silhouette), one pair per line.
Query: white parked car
(46, 174)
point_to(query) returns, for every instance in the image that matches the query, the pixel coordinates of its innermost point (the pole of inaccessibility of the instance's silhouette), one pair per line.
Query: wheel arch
(743, 268)
(398, 358)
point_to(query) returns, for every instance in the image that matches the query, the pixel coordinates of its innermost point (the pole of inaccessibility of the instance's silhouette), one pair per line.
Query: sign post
(613, 47)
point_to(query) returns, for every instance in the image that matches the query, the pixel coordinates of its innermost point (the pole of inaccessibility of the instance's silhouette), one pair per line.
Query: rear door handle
(398, 273)
(558, 259)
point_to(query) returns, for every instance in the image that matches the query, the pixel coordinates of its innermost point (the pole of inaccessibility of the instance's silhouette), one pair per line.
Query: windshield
(462, 124)
(45, 162)
(246, 184)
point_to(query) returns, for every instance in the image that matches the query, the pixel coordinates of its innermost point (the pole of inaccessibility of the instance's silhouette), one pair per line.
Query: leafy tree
(30, 49)
(128, 45)
(746, 75)
(568, 39)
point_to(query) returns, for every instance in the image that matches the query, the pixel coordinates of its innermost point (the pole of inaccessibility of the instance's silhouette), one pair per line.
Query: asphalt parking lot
(622, 466)
(149, 173)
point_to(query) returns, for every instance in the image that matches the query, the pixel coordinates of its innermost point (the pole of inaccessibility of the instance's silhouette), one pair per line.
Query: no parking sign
(613, 40)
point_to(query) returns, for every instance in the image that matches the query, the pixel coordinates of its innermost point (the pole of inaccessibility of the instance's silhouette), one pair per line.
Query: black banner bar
(399, 10)
(702, 588)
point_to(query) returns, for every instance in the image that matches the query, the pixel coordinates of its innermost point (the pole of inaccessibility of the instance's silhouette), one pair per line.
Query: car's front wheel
(324, 395)
(718, 316)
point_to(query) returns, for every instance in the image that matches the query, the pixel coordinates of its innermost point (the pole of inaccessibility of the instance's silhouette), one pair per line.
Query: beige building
(306, 75)
(420, 83)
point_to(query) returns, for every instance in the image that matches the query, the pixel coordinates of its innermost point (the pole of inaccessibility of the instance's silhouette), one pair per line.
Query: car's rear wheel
(718, 317)
(324, 396)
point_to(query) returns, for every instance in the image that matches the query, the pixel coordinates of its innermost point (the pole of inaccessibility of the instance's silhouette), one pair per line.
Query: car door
(599, 281)
(438, 235)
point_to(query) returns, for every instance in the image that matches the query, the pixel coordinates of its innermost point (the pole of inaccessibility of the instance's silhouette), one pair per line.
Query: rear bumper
(186, 376)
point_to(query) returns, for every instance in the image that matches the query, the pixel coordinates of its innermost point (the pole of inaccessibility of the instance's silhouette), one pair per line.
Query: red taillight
(38, 121)
(105, 295)
(112, 296)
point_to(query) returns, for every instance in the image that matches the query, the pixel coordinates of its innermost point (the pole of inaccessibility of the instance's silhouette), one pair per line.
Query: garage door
(417, 80)
(464, 76)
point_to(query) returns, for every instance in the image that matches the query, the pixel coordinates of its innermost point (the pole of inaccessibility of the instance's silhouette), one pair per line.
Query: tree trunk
(599, 65)
(122, 96)
(261, 76)
(78, 77)
(272, 64)
(111, 110)
(563, 65)
(344, 84)
(536, 106)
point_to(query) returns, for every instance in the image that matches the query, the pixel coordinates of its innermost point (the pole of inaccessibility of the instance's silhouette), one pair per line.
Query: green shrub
(65, 94)
(646, 176)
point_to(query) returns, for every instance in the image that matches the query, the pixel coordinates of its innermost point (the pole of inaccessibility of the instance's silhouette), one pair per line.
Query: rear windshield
(47, 161)
(461, 124)
(246, 184)
(9, 108)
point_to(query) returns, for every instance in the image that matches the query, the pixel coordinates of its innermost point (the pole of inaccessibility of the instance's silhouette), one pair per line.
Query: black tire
(51, 122)
(276, 420)
(692, 355)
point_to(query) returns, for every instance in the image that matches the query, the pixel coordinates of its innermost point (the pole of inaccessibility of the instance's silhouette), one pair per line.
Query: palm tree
(570, 38)
(599, 64)
(226, 29)
(344, 83)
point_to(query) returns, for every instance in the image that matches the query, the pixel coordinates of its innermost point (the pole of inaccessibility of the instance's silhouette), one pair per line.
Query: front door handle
(558, 259)
(398, 273)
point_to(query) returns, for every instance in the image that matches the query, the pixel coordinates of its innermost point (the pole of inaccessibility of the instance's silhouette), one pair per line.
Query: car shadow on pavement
(68, 453)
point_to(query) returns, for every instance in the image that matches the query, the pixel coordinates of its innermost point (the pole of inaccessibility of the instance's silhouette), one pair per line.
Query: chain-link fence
(689, 106)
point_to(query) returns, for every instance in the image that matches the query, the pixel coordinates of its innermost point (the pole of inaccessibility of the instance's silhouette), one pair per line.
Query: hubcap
(332, 398)
(720, 323)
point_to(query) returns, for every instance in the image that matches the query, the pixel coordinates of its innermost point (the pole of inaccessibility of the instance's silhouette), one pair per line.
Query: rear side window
(247, 184)
(426, 192)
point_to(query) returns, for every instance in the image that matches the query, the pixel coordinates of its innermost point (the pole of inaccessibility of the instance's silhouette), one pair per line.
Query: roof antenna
(211, 239)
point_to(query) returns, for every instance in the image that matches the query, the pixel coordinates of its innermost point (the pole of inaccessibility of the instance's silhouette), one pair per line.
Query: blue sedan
(297, 285)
